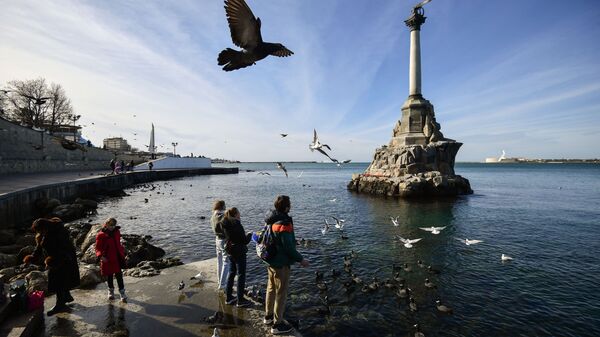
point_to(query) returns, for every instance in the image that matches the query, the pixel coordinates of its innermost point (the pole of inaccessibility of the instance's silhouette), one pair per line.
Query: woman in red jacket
(112, 256)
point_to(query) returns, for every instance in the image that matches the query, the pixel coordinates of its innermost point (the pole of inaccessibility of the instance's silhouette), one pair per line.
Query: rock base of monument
(426, 184)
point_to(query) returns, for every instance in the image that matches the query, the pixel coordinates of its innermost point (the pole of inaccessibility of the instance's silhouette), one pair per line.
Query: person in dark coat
(53, 242)
(237, 239)
(112, 257)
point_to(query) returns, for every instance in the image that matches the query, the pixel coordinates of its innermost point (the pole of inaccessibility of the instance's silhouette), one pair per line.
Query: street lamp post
(75, 118)
(174, 148)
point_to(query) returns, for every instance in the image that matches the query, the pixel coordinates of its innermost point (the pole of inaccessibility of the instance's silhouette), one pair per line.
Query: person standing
(237, 240)
(112, 257)
(278, 270)
(53, 241)
(220, 240)
(112, 166)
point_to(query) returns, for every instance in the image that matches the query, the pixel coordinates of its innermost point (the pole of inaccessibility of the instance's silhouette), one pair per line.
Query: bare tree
(60, 110)
(34, 104)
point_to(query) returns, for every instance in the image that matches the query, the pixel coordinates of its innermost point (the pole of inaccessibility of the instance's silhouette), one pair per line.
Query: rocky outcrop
(418, 162)
(431, 183)
(89, 275)
(152, 268)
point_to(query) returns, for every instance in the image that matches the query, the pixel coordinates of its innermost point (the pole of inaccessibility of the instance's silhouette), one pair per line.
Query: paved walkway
(15, 182)
(157, 308)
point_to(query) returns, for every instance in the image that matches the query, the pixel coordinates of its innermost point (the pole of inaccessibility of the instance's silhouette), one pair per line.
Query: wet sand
(157, 308)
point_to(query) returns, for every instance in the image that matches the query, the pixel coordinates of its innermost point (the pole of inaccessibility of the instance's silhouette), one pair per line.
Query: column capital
(415, 21)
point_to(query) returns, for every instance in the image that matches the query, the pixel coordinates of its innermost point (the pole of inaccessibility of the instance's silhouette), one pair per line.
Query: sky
(513, 75)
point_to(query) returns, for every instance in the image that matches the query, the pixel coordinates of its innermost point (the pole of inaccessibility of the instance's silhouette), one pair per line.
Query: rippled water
(545, 216)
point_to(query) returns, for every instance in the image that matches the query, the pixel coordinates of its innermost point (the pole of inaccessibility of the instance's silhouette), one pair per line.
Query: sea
(545, 216)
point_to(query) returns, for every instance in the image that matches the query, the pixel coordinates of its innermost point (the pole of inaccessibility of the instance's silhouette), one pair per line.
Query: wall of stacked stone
(23, 150)
(20, 207)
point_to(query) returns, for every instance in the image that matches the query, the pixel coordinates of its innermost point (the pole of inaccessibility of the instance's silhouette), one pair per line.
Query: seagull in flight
(245, 33)
(317, 145)
(346, 161)
(199, 276)
(408, 243)
(339, 223)
(300, 175)
(325, 228)
(433, 230)
(281, 167)
(264, 173)
(37, 101)
(395, 221)
(469, 242)
(283, 135)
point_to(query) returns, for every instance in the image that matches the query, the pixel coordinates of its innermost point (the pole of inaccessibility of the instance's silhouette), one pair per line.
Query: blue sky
(523, 76)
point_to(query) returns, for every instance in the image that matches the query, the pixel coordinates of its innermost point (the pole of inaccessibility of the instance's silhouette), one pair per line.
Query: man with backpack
(282, 228)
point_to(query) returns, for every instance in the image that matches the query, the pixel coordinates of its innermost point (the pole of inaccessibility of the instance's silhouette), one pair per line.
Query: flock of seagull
(315, 145)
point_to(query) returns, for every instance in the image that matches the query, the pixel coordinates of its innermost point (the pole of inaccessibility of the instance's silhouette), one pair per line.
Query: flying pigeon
(281, 167)
(433, 230)
(245, 33)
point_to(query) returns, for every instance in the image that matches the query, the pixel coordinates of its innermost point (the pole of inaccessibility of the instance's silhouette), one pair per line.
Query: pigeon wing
(280, 50)
(244, 27)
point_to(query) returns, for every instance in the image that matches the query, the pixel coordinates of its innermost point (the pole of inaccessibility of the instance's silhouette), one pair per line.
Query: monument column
(414, 72)
(415, 109)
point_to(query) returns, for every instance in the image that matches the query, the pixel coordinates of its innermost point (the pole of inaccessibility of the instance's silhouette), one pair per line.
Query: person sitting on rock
(53, 241)
(112, 257)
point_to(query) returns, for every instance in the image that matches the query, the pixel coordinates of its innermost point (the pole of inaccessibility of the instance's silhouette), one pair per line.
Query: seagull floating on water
(333, 200)
(505, 258)
(443, 308)
(433, 230)
(469, 242)
(408, 242)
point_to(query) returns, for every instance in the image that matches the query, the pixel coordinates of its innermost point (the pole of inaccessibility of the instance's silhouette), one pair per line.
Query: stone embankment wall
(20, 207)
(23, 150)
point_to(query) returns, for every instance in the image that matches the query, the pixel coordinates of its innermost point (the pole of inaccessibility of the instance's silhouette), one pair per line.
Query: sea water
(545, 216)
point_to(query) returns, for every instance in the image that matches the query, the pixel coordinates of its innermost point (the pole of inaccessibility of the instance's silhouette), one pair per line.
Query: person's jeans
(222, 263)
(237, 266)
(277, 289)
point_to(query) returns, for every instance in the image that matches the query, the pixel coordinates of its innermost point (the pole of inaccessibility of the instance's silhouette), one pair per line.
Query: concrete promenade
(20, 181)
(21, 192)
(157, 308)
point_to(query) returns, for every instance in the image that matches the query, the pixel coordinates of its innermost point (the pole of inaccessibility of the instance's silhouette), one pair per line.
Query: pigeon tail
(232, 60)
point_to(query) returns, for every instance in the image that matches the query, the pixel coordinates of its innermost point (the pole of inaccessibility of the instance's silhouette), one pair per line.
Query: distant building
(116, 144)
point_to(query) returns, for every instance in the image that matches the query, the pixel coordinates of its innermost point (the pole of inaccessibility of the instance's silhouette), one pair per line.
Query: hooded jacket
(236, 236)
(282, 226)
(108, 245)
